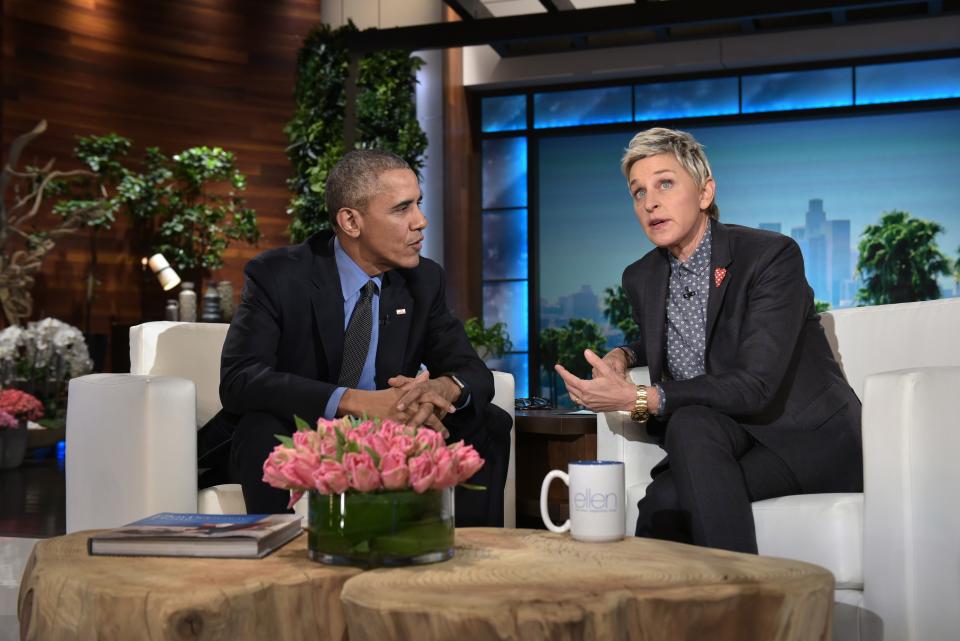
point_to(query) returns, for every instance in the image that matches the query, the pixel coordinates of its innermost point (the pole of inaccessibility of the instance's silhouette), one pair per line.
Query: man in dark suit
(340, 325)
(746, 392)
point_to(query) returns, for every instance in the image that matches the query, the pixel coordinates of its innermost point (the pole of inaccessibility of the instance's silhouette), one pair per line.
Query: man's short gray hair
(354, 179)
(688, 152)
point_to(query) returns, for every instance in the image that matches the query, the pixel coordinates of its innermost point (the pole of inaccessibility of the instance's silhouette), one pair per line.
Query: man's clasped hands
(416, 401)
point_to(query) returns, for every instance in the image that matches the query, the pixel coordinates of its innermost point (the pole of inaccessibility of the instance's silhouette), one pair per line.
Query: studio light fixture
(166, 274)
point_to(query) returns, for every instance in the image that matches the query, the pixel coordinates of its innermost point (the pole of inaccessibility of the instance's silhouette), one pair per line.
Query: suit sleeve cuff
(330, 411)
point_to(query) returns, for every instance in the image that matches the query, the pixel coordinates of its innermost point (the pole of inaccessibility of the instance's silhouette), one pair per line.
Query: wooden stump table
(533, 585)
(501, 584)
(68, 595)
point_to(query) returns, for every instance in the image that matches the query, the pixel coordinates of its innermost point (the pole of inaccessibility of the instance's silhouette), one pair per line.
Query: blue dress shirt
(352, 280)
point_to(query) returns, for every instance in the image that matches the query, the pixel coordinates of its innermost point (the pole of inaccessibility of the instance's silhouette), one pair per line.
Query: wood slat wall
(167, 73)
(462, 226)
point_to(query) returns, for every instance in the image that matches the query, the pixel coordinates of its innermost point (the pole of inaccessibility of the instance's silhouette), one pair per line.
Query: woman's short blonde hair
(688, 152)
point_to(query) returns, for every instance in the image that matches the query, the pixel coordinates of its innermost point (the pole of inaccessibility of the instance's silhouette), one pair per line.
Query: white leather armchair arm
(911, 564)
(620, 439)
(131, 448)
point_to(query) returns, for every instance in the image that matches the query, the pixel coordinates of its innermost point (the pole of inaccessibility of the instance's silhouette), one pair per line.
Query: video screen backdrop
(821, 181)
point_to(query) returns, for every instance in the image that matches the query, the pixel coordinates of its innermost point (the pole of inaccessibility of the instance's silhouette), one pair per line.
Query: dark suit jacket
(284, 348)
(768, 363)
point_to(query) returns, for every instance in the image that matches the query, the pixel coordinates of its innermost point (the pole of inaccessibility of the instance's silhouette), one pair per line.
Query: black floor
(33, 499)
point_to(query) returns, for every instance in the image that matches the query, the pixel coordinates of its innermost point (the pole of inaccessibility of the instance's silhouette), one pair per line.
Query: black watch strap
(464, 390)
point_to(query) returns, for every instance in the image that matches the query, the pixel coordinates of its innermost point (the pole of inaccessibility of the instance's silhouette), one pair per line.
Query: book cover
(213, 535)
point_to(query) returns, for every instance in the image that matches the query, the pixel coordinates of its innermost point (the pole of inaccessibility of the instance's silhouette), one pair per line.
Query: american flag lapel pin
(719, 274)
(401, 311)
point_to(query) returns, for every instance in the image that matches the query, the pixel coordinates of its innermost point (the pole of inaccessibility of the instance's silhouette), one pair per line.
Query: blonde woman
(746, 393)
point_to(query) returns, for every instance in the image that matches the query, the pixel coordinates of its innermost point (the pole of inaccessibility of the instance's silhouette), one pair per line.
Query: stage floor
(32, 507)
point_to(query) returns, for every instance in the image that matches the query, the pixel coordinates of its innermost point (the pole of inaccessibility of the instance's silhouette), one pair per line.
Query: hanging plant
(385, 117)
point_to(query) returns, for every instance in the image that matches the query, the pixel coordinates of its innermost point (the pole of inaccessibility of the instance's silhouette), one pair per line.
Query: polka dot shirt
(687, 295)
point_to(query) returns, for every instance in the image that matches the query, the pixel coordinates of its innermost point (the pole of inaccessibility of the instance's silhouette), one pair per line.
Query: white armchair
(131, 438)
(895, 549)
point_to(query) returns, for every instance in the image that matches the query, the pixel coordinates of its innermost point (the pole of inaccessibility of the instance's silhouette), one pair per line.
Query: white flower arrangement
(42, 357)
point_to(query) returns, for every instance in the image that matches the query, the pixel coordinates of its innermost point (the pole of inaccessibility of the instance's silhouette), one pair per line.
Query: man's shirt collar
(352, 278)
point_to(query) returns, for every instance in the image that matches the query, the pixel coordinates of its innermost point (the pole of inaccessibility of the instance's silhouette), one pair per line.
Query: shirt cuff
(330, 411)
(661, 399)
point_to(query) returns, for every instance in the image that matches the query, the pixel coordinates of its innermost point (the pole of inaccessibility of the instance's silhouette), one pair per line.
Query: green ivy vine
(385, 117)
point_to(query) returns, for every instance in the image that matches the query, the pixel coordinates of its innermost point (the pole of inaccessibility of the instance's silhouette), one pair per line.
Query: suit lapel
(720, 258)
(327, 302)
(394, 326)
(655, 316)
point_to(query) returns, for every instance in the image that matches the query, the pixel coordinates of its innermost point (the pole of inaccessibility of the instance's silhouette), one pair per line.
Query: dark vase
(380, 529)
(13, 447)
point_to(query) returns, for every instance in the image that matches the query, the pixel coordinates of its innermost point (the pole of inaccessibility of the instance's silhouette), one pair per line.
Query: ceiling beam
(530, 27)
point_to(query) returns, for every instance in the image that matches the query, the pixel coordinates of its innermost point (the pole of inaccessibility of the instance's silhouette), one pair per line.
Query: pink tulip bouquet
(350, 454)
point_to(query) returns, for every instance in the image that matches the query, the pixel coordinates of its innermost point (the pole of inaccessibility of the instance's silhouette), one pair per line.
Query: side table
(548, 440)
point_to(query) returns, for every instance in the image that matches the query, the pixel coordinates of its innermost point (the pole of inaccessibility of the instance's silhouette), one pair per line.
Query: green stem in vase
(381, 528)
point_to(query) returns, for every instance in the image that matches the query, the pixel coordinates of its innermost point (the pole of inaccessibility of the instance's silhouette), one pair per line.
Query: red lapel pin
(719, 274)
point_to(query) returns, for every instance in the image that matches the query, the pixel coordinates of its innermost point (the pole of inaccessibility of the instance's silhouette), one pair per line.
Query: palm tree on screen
(900, 260)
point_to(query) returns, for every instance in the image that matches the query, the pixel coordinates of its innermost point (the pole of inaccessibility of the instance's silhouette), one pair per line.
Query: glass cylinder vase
(381, 529)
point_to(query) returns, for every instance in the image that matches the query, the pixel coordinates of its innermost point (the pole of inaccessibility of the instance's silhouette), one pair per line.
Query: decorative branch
(19, 265)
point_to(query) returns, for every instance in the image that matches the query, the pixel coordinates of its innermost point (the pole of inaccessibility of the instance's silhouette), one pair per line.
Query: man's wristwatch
(640, 413)
(464, 390)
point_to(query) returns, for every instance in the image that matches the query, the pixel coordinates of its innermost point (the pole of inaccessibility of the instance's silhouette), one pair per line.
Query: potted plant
(16, 408)
(491, 341)
(565, 345)
(192, 201)
(41, 358)
(95, 192)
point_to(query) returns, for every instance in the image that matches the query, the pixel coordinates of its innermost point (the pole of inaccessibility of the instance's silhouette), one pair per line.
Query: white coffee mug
(596, 500)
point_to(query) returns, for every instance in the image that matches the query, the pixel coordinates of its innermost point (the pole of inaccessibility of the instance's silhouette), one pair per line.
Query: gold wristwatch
(640, 413)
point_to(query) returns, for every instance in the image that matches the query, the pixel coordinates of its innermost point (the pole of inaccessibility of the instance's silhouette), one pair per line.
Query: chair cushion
(187, 350)
(825, 529)
(228, 499)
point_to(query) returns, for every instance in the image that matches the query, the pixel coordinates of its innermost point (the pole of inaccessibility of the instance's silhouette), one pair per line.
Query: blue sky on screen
(860, 166)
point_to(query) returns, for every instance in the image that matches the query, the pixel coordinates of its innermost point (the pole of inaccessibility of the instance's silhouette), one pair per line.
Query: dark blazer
(767, 361)
(284, 348)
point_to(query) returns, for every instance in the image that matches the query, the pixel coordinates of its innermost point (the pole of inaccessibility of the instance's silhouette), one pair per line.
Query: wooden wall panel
(462, 228)
(169, 73)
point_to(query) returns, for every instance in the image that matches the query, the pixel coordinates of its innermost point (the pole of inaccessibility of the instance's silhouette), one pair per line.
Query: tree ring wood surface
(532, 585)
(66, 594)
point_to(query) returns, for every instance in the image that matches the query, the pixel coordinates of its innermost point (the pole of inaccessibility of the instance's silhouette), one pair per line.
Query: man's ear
(348, 220)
